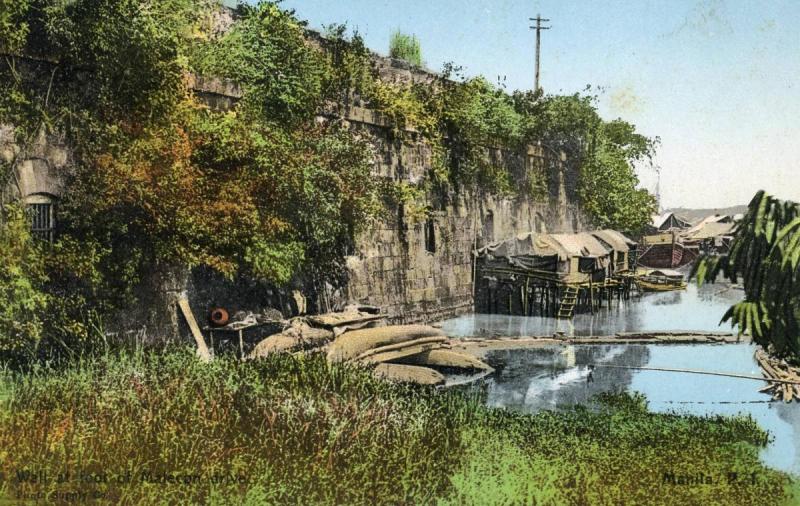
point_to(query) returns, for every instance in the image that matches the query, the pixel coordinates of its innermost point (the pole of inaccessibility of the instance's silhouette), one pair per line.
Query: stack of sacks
(298, 336)
(310, 332)
(351, 318)
(402, 353)
(360, 344)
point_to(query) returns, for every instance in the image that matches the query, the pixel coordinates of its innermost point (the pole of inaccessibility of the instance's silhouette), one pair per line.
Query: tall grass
(405, 47)
(294, 430)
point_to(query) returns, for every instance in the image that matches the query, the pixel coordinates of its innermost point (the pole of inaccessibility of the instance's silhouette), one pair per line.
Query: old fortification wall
(414, 269)
(421, 268)
(40, 170)
(393, 266)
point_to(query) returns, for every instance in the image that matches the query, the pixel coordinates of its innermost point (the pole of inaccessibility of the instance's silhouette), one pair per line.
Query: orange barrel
(219, 317)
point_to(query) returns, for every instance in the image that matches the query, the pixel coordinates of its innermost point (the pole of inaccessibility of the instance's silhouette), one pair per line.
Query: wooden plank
(762, 360)
(202, 349)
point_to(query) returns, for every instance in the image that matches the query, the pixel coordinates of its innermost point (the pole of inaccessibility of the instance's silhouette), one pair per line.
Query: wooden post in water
(525, 299)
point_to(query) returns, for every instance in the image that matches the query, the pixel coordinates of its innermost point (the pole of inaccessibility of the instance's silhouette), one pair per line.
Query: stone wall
(40, 170)
(391, 267)
(394, 265)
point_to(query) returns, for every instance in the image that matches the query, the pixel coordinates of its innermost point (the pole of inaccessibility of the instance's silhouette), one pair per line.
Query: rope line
(694, 371)
(713, 402)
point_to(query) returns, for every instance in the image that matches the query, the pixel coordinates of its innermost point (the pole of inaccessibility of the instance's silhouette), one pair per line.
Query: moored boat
(660, 280)
(666, 251)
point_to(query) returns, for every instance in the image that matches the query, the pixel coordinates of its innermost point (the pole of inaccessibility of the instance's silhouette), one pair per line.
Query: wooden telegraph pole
(539, 19)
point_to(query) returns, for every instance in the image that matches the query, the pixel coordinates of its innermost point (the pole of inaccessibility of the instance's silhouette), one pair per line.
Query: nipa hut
(623, 250)
(553, 274)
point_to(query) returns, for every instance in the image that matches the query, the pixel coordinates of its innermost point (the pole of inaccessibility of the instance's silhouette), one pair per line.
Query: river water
(690, 309)
(554, 376)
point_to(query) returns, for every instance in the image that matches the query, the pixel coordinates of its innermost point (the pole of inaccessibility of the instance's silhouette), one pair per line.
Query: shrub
(21, 280)
(405, 47)
(302, 432)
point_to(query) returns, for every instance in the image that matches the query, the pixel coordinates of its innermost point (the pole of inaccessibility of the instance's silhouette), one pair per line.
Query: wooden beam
(202, 349)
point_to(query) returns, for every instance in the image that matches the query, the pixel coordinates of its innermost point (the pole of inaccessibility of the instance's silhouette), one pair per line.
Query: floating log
(784, 381)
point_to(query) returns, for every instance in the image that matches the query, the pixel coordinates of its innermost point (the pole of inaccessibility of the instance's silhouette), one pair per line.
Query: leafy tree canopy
(158, 178)
(605, 152)
(765, 257)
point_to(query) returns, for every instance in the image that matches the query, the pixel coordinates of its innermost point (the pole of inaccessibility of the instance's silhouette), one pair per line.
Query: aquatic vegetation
(294, 430)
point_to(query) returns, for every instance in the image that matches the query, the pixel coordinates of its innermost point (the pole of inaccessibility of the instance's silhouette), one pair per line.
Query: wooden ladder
(566, 309)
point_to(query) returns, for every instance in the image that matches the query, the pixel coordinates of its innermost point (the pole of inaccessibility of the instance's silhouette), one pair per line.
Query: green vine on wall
(266, 189)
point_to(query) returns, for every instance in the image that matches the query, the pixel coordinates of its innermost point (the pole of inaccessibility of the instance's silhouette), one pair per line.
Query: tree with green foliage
(605, 152)
(405, 47)
(765, 256)
(263, 190)
(13, 28)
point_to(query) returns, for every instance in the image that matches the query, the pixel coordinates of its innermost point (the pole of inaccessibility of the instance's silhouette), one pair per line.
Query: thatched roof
(564, 246)
(614, 239)
(707, 230)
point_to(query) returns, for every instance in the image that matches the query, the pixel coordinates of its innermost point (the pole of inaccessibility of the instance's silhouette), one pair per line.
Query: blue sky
(715, 80)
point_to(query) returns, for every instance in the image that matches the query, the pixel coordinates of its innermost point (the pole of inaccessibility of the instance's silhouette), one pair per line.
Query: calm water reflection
(547, 378)
(691, 309)
(555, 376)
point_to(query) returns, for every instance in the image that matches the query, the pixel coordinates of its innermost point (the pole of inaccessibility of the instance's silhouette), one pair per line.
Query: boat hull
(667, 286)
(667, 256)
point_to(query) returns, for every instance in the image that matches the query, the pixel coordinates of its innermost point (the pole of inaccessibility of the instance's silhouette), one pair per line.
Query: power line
(539, 19)
(712, 402)
(694, 371)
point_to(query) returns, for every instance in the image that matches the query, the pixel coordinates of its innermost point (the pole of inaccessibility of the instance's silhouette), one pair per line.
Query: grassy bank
(143, 428)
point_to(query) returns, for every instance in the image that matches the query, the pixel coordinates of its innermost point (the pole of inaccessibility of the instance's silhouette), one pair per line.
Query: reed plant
(159, 427)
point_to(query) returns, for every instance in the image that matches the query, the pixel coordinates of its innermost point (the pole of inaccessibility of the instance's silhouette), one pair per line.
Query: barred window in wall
(430, 235)
(41, 211)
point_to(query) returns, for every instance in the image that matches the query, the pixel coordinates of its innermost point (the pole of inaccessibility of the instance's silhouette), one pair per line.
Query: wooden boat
(666, 251)
(661, 280)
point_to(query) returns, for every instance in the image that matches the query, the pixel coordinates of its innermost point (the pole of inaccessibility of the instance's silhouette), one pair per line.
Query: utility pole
(539, 19)
(658, 186)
